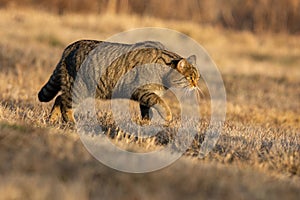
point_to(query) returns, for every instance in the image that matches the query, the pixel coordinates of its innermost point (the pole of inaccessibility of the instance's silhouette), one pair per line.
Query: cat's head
(188, 75)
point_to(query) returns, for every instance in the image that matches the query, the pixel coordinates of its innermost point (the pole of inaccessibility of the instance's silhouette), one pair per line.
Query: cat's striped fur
(111, 62)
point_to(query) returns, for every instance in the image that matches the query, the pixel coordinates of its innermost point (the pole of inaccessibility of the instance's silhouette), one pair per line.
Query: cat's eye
(188, 78)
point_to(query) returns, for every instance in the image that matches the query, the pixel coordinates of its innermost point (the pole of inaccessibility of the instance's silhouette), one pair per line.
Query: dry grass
(256, 157)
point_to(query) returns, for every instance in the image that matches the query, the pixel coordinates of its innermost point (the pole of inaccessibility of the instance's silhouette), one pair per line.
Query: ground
(256, 157)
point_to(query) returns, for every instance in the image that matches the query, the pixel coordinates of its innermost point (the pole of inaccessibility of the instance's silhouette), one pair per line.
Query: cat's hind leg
(56, 114)
(66, 109)
(61, 111)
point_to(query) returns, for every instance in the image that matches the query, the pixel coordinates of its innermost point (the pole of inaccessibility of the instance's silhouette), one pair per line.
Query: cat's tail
(52, 87)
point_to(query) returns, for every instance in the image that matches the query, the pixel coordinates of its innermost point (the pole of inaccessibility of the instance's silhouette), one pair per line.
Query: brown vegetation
(256, 157)
(258, 15)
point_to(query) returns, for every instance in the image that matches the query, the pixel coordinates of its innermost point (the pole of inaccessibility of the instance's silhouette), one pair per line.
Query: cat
(108, 63)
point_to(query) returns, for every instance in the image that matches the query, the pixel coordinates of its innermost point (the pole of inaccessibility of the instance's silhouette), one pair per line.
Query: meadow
(256, 157)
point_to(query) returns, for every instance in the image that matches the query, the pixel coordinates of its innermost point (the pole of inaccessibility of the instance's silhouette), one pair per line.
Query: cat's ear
(192, 59)
(181, 65)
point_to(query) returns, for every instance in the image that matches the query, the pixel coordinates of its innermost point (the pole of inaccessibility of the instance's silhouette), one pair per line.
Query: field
(256, 157)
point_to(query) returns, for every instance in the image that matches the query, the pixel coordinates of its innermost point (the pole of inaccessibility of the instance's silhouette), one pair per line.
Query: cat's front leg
(163, 110)
(149, 100)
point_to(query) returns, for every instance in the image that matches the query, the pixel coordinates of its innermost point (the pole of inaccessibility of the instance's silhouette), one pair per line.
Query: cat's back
(75, 53)
(117, 56)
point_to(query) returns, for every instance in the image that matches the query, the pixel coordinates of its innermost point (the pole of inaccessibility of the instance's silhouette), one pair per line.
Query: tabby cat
(103, 77)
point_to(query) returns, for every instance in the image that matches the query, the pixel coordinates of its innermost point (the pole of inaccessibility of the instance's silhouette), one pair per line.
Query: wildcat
(102, 64)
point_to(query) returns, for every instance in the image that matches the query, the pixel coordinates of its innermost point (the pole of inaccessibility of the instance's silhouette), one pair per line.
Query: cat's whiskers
(179, 80)
(188, 89)
(183, 94)
(199, 91)
(182, 84)
(198, 94)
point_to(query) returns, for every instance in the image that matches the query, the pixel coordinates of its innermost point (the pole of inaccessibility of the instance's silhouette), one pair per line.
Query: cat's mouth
(192, 88)
(195, 87)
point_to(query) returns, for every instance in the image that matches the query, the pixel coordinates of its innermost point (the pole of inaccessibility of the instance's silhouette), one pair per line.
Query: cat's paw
(68, 116)
(165, 113)
(55, 115)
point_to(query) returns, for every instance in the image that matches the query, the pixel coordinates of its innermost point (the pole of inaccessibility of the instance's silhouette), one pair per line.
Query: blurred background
(254, 15)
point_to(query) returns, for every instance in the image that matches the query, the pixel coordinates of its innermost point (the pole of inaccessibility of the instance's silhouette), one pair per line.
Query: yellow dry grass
(256, 157)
